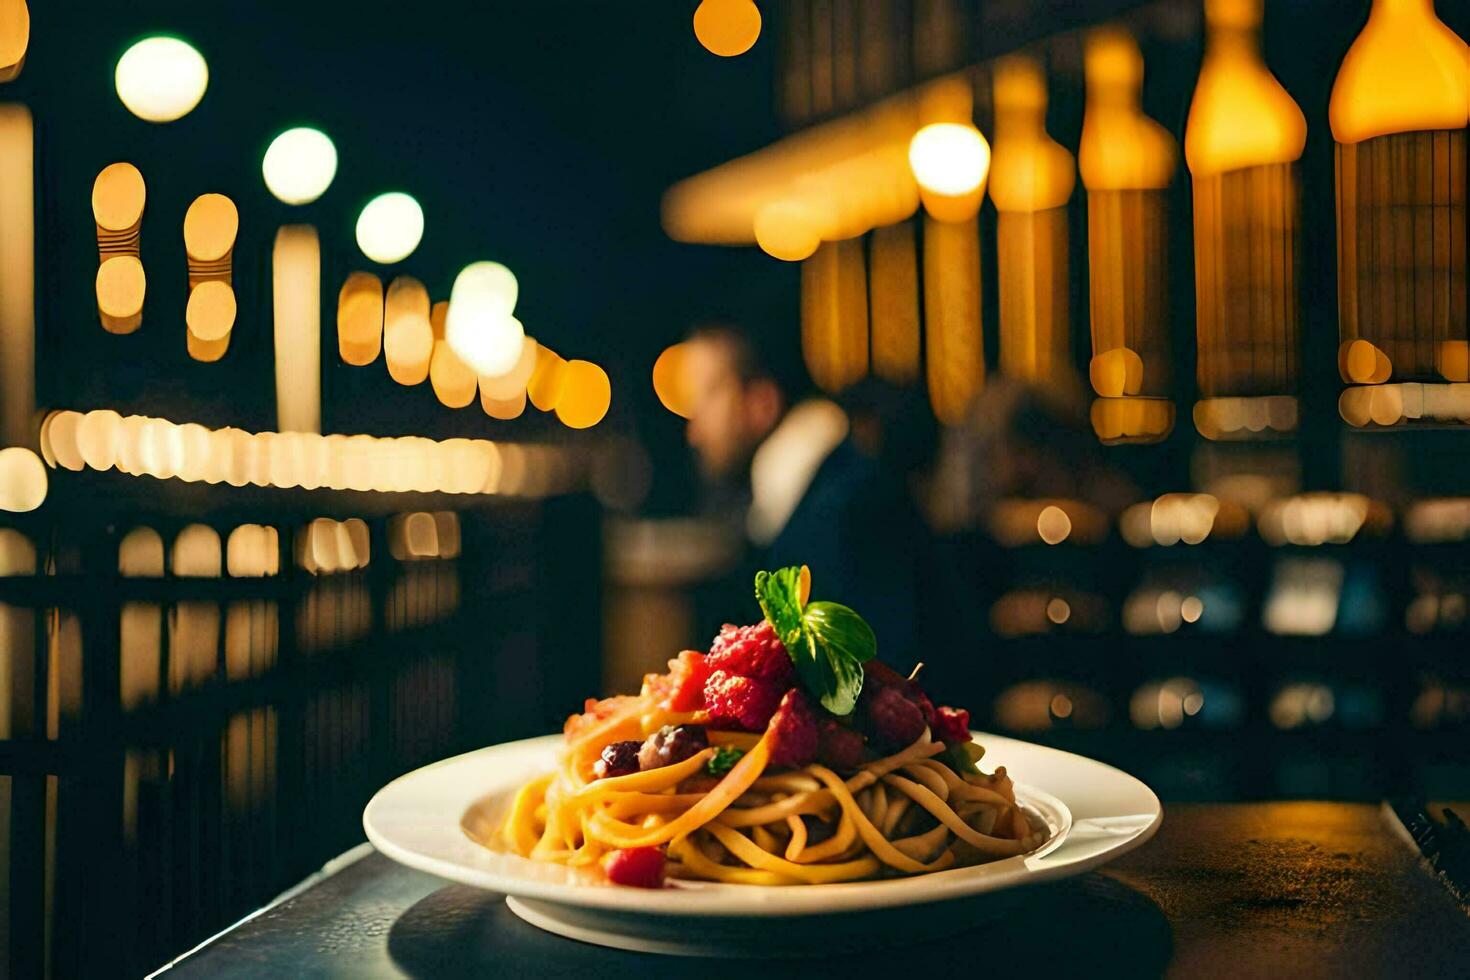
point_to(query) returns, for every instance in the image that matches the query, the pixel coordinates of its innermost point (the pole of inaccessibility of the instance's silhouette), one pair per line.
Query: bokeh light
(586, 394)
(950, 159)
(161, 79)
(299, 165)
(22, 480)
(787, 230)
(670, 381)
(390, 227)
(480, 328)
(727, 27)
(547, 378)
(15, 37)
(512, 384)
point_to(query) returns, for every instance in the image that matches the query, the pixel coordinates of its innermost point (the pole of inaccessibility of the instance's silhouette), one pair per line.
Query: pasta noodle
(681, 773)
(906, 813)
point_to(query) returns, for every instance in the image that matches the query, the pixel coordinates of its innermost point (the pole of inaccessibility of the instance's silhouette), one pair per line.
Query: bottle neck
(1425, 7)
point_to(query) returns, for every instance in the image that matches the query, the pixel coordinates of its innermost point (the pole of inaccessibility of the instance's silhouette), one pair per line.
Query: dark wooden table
(1240, 890)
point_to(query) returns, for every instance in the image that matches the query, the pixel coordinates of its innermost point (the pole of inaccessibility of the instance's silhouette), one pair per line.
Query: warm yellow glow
(512, 384)
(1245, 417)
(585, 397)
(163, 450)
(1030, 182)
(1313, 519)
(118, 196)
(210, 313)
(328, 547)
(547, 378)
(1395, 404)
(893, 297)
(360, 318)
(1053, 525)
(671, 382)
(253, 551)
(1129, 419)
(504, 409)
(788, 230)
(453, 381)
(15, 36)
(210, 227)
(161, 79)
(22, 480)
(1116, 372)
(299, 165)
(1180, 517)
(834, 315)
(17, 554)
(390, 227)
(480, 327)
(1030, 171)
(98, 434)
(408, 334)
(955, 353)
(950, 163)
(1241, 116)
(60, 431)
(727, 27)
(196, 553)
(1121, 148)
(140, 554)
(17, 274)
(1406, 72)
(296, 268)
(121, 287)
(850, 174)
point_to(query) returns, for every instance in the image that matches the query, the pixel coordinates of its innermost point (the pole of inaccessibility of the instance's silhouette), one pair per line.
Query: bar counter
(1241, 890)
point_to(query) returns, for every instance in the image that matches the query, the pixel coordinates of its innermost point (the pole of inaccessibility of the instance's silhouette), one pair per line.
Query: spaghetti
(786, 755)
(909, 812)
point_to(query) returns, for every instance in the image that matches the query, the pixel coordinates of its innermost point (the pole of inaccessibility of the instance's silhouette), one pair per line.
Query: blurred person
(814, 482)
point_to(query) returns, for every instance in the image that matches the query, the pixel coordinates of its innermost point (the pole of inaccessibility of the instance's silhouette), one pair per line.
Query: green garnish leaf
(723, 760)
(828, 642)
(779, 594)
(840, 641)
(963, 757)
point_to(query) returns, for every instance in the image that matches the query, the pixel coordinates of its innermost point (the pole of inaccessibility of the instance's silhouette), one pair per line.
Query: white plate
(1095, 813)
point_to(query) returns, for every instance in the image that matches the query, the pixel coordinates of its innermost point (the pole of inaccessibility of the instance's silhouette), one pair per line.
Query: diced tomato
(640, 867)
(687, 674)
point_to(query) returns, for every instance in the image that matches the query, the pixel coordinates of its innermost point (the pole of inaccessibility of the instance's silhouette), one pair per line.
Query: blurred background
(1109, 357)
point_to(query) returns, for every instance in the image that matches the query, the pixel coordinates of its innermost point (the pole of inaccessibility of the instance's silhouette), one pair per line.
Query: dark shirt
(856, 527)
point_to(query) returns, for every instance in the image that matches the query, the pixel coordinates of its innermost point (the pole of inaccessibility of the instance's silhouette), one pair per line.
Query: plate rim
(704, 900)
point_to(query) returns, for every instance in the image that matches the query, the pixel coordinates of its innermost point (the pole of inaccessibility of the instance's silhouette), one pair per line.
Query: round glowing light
(390, 227)
(479, 327)
(949, 159)
(727, 27)
(161, 79)
(1053, 525)
(787, 231)
(299, 165)
(586, 394)
(671, 381)
(22, 480)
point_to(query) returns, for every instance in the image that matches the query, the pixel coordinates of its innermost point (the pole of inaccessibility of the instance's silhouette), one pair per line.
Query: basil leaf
(963, 757)
(723, 760)
(840, 642)
(779, 595)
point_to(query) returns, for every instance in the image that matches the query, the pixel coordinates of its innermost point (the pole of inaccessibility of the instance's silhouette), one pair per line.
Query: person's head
(736, 399)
